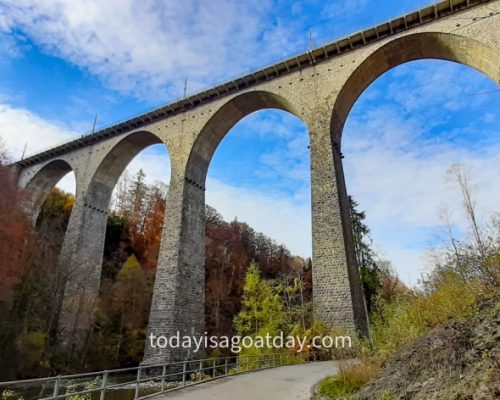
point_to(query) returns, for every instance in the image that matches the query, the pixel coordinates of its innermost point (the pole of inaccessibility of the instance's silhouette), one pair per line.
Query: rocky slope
(455, 361)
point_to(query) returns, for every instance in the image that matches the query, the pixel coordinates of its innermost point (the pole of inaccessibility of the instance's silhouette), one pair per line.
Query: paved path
(293, 382)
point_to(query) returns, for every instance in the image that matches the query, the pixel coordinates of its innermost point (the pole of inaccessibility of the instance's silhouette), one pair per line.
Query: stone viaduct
(319, 87)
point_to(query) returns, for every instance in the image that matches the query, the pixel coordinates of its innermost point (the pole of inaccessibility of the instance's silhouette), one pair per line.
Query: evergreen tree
(136, 199)
(369, 270)
(4, 155)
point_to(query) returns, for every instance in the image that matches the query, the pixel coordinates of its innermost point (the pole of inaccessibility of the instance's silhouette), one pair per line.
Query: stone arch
(113, 164)
(419, 46)
(179, 293)
(40, 185)
(221, 123)
(84, 242)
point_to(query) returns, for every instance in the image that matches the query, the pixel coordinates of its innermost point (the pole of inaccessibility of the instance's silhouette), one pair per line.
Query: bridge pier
(178, 303)
(80, 262)
(337, 292)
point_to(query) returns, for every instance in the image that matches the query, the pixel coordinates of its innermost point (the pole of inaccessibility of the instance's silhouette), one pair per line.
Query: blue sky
(62, 62)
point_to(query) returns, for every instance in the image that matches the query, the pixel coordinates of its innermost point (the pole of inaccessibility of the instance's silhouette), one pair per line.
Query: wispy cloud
(399, 142)
(277, 216)
(338, 9)
(149, 47)
(20, 127)
(155, 161)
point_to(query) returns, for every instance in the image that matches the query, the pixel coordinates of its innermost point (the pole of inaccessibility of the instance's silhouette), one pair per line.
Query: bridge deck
(283, 383)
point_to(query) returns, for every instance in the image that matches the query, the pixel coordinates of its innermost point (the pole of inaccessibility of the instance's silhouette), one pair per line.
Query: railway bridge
(319, 87)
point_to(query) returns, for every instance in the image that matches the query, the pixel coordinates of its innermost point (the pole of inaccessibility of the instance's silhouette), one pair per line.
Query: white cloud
(20, 127)
(269, 123)
(155, 163)
(399, 147)
(67, 183)
(488, 118)
(281, 218)
(409, 264)
(289, 165)
(402, 196)
(405, 188)
(149, 47)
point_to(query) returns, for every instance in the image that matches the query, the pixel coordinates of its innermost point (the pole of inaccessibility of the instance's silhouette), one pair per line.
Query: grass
(349, 380)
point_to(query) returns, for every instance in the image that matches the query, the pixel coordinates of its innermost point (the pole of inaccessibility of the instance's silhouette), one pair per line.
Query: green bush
(394, 325)
(450, 298)
(33, 351)
(401, 320)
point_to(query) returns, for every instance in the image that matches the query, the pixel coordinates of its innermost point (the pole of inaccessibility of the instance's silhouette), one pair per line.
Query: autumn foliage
(14, 229)
(32, 287)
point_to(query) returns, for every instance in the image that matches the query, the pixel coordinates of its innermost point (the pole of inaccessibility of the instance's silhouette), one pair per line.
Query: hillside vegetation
(32, 285)
(440, 341)
(458, 360)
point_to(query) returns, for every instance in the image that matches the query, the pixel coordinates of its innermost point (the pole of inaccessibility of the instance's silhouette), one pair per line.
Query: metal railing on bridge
(143, 381)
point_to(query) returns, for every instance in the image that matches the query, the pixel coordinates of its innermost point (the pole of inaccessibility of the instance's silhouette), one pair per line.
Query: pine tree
(136, 199)
(4, 154)
(120, 194)
(368, 268)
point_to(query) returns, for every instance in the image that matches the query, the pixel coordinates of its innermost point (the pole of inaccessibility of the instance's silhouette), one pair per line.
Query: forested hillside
(252, 284)
(31, 297)
(130, 260)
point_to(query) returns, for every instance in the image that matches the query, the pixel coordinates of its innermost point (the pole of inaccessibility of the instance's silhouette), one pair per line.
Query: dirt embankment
(455, 361)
